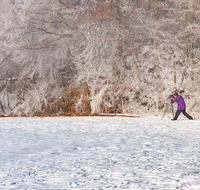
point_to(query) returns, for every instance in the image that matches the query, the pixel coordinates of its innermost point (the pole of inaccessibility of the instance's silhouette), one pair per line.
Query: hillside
(98, 56)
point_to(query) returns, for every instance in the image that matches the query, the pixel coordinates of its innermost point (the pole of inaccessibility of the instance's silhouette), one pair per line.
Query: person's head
(175, 94)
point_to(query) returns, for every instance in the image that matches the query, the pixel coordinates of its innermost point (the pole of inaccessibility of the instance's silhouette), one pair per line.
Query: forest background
(80, 57)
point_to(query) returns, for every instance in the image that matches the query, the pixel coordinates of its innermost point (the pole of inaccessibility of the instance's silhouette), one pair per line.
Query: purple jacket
(180, 101)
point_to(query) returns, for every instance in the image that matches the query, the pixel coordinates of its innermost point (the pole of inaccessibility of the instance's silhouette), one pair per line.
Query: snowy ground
(99, 153)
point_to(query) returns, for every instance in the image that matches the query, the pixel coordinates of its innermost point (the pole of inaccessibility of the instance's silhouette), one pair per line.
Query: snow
(99, 153)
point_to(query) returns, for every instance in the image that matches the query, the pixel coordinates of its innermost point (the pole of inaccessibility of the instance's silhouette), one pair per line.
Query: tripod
(167, 106)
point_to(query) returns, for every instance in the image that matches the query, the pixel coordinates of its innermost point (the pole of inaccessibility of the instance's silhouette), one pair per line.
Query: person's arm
(174, 99)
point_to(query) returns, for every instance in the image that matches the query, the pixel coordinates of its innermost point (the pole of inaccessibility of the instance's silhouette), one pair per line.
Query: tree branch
(5, 59)
(63, 3)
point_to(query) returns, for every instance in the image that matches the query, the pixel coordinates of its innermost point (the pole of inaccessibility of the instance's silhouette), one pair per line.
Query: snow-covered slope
(99, 153)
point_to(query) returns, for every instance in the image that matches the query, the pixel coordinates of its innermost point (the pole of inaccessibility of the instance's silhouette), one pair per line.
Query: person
(181, 106)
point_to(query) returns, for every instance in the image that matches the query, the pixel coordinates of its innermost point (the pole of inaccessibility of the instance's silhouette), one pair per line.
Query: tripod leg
(165, 111)
(172, 110)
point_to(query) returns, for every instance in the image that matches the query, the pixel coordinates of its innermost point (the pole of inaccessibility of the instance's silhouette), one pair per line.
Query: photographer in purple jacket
(181, 106)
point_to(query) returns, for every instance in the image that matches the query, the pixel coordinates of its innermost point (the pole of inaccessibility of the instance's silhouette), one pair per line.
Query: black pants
(184, 113)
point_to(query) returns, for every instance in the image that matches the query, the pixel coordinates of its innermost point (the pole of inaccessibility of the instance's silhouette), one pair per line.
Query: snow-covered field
(99, 153)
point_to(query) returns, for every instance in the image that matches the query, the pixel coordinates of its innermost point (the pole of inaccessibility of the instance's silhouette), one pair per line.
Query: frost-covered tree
(126, 55)
(170, 54)
(36, 38)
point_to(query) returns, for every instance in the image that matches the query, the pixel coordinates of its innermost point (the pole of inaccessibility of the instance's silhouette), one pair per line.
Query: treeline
(98, 56)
